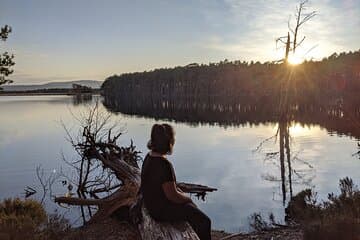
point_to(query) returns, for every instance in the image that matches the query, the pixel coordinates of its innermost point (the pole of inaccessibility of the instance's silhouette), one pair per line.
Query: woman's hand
(173, 194)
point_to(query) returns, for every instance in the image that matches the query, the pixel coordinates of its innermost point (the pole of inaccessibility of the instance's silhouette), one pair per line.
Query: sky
(85, 39)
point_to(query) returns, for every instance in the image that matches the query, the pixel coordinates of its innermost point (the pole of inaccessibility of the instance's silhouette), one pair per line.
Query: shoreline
(49, 93)
(37, 94)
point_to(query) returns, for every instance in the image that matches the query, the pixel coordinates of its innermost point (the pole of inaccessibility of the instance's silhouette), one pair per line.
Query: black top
(155, 171)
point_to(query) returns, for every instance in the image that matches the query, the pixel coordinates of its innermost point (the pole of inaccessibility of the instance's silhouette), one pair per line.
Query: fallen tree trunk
(121, 162)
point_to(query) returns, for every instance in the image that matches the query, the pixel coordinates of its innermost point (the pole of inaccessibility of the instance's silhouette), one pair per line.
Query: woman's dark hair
(162, 138)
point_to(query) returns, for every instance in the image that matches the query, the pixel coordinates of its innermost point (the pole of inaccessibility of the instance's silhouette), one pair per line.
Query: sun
(295, 60)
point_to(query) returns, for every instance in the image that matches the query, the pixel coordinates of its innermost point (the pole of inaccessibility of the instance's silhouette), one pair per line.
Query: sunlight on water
(296, 130)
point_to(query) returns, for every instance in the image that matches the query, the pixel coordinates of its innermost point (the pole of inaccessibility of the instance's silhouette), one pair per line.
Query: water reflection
(82, 98)
(285, 158)
(290, 121)
(222, 157)
(334, 118)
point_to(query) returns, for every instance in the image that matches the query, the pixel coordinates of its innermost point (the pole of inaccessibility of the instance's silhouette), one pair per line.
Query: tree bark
(150, 229)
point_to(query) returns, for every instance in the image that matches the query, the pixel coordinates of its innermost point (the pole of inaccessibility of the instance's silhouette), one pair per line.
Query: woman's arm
(173, 194)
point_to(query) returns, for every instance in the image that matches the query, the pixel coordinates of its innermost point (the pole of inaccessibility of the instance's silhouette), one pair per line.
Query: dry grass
(27, 219)
(334, 219)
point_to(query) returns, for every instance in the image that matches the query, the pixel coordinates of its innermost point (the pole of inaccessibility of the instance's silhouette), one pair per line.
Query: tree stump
(152, 230)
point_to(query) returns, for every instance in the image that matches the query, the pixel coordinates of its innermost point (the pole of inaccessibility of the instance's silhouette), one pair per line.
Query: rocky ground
(113, 229)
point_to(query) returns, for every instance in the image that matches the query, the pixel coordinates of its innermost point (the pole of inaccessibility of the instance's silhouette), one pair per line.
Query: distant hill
(51, 85)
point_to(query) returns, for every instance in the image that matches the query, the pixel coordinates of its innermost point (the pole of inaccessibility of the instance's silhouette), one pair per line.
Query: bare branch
(312, 48)
(258, 148)
(289, 27)
(46, 182)
(307, 17)
(300, 19)
(80, 201)
(302, 40)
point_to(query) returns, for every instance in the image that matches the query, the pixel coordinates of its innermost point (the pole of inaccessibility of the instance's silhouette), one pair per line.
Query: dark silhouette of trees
(81, 88)
(328, 82)
(6, 59)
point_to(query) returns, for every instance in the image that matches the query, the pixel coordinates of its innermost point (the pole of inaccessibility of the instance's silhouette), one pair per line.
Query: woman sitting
(163, 200)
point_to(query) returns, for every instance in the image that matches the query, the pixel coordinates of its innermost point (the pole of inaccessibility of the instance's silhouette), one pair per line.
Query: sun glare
(294, 60)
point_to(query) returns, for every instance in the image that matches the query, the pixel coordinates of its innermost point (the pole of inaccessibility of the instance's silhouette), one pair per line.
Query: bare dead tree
(290, 42)
(301, 17)
(108, 177)
(92, 179)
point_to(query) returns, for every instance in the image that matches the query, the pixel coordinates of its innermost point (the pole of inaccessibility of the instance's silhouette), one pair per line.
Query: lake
(240, 159)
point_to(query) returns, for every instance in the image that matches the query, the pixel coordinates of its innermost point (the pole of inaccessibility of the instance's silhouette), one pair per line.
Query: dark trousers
(187, 212)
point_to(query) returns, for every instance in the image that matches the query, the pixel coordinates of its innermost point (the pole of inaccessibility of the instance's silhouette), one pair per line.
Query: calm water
(248, 181)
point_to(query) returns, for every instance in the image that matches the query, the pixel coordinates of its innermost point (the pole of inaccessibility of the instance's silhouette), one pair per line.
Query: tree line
(329, 81)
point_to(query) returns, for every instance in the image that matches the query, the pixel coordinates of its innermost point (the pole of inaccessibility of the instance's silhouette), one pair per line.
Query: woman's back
(155, 171)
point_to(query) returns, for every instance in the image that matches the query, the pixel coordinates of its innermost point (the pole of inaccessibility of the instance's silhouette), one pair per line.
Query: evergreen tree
(6, 59)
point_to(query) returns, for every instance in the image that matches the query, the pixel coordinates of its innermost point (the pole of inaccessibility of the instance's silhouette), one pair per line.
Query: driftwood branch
(200, 191)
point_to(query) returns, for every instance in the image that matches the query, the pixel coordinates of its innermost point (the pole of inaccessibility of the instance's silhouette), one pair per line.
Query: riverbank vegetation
(27, 219)
(338, 217)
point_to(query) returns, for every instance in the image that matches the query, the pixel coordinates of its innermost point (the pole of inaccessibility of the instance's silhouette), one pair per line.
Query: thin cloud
(165, 33)
(261, 22)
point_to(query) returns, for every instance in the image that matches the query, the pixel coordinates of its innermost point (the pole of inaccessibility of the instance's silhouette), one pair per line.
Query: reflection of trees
(288, 172)
(252, 111)
(293, 170)
(284, 136)
(358, 152)
(78, 99)
(239, 112)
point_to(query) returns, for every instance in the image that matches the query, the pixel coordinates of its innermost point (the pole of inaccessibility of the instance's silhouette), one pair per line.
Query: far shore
(35, 93)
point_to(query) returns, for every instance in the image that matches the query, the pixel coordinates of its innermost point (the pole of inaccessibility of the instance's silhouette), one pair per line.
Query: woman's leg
(190, 213)
(199, 221)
